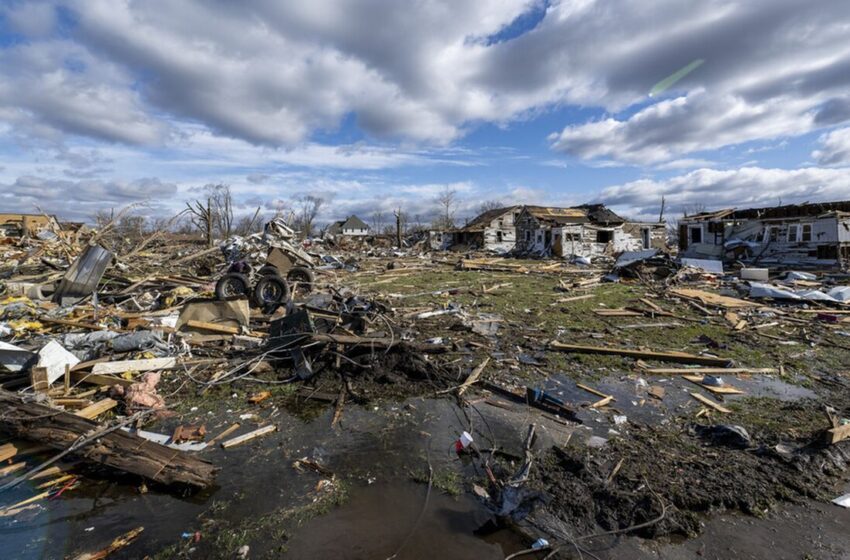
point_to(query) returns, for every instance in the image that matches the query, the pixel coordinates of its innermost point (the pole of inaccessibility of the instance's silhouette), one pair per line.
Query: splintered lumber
(473, 377)
(141, 366)
(249, 436)
(708, 370)
(117, 448)
(836, 434)
(682, 357)
(375, 342)
(94, 410)
(617, 313)
(116, 545)
(212, 327)
(222, 435)
(724, 390)
(710, 403)
(709, 298)
(593, 391)
(98, 379)
(602, 402)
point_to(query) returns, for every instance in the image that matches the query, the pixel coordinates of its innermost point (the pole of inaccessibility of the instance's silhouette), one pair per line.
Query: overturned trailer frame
(808, 235)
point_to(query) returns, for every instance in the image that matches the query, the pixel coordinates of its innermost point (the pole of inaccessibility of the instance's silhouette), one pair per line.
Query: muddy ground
(662, 469)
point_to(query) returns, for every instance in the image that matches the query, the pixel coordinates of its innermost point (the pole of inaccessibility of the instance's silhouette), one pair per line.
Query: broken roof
(597, 213)
(482, 221)
(786, 211)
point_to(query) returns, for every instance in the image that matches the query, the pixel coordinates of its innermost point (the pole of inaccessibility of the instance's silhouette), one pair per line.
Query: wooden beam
(94, 410)
(249, 436)
(708, 370)
(708, 402)
(134, 365)
(642, 354)
(212, 327)
(473, 377)
(117, 449)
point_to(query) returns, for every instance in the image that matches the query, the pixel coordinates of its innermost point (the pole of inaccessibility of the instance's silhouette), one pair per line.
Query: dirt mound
(691, 475)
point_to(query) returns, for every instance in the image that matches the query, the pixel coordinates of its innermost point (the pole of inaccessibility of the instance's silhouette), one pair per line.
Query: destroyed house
(816, 234)
(589, 230)
(18, 225)
(352, 226)
(493, 230)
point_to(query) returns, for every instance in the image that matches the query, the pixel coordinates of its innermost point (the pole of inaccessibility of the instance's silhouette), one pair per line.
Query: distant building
(493, 230)
(816, 234)
(18, 225)
(352, 226)
(589, 230)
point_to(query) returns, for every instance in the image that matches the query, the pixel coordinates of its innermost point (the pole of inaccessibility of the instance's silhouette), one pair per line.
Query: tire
(271, 292)
(268, 270)
(232, 284)
(303, 276)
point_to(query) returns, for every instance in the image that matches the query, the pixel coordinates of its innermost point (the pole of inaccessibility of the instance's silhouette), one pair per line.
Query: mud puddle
(372, 457)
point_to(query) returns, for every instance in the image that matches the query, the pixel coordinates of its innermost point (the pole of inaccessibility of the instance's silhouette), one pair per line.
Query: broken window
(774, 234)
(527, 235)
(696, 234)
(572, 237)
(807, 232)
(792, 233)
(604, 236)
(498, 237)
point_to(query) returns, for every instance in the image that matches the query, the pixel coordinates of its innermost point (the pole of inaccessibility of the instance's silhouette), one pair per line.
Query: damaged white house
(493, 230)
(816, 234)
(589, 230)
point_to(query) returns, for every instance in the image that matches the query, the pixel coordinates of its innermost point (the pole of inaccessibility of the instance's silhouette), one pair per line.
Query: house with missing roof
(351, 226)
(816, 234)
(493, 230)
(19, 225)
(590, 230)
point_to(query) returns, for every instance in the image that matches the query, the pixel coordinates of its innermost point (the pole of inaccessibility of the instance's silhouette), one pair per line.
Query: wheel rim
(232, 288)
(271, 292)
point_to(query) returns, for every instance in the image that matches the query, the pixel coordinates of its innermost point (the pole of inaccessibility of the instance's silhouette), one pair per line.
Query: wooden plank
(222, 435)
(212, 327)
(39, 379)
(593, 391)
(105, 368)
(117, 544)
(473, 377)
(94, 410)
(725, 390)
(617, 313)
(682, 357)
(249, 436)
(602, 402)
(14, 467)
(839, 433)
(708, 370)
(709, 298)
(650, 304)
(708, 402)
(98, 379)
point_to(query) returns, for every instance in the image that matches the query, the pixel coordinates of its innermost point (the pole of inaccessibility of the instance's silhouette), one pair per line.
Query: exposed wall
(808, 240)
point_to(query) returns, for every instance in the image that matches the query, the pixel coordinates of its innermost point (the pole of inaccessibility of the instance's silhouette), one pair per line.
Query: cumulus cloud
(835, 148)
(741, 188)
(434, 68)
(79, 200)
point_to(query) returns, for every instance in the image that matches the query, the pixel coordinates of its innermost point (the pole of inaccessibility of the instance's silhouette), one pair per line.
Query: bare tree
(399, 224)
(221, 203)
(377, 220)
(201, 214)
(447, 199)
(488, 205)
(307, 208)
(247, 224)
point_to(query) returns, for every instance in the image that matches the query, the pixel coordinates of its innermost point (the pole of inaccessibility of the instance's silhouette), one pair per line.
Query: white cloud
(835, 148)
(741, 188)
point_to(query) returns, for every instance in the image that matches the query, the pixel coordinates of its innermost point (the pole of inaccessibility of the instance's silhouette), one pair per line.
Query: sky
(379, 104)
